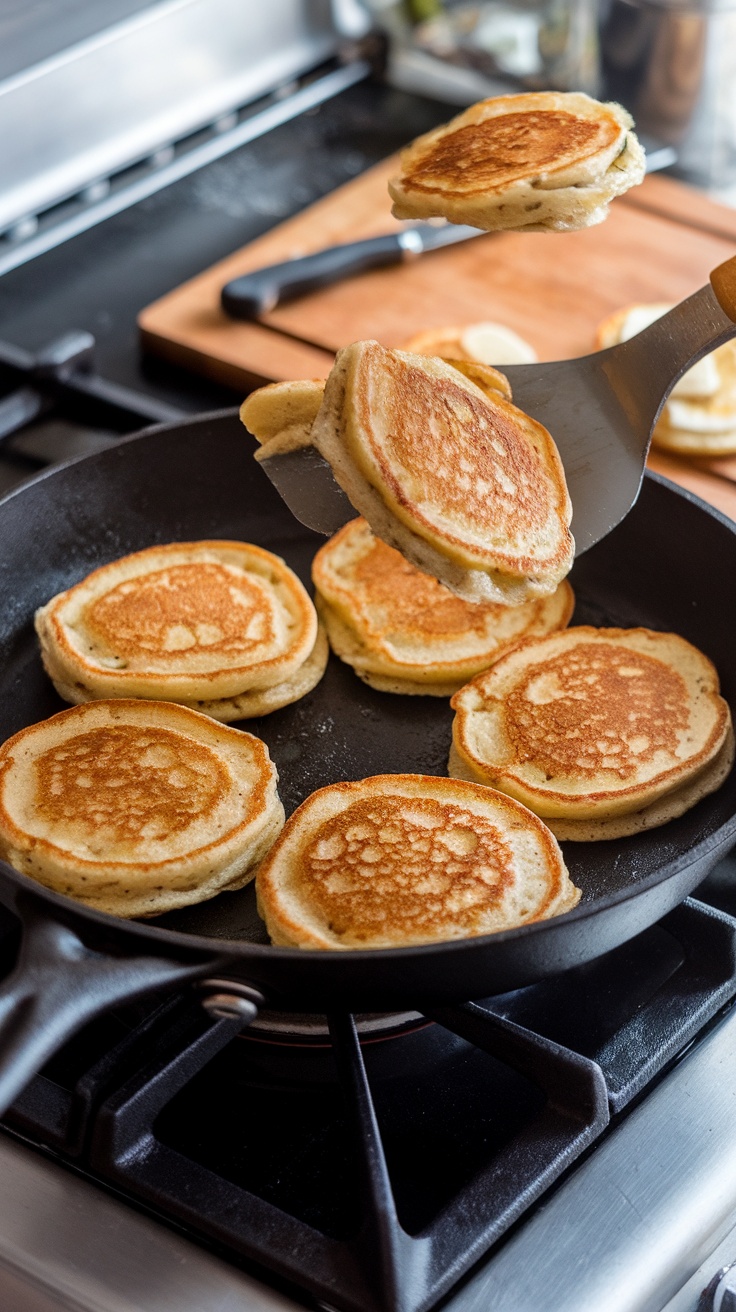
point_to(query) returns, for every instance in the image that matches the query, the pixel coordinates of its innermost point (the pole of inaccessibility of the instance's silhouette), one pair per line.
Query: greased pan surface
(670, 565)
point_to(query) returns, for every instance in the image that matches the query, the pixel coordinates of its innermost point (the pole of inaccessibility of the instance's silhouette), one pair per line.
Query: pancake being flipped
(223, 627)
(280, 416)
(397, 860)
(461, 482)
(404, 632)
(699, 416)
(544, 162)
(134, 808)
(602, 732)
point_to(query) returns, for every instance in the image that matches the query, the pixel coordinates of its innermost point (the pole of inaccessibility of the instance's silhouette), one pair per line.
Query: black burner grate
(54, 405)
(374, 1172)
(379, 1244)
(635, 1009)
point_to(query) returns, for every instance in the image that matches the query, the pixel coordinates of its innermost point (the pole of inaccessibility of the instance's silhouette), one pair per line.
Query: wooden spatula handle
(723, 282)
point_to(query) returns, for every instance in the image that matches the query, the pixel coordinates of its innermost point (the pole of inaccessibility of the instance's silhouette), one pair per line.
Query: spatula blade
(601, 454)
(600, 410)
(602, 448)
(305, 481)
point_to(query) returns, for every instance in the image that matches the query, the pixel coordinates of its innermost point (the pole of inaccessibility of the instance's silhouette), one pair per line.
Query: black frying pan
(670, 565)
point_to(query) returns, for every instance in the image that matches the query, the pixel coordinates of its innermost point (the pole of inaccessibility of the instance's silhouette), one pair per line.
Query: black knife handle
(257, 292)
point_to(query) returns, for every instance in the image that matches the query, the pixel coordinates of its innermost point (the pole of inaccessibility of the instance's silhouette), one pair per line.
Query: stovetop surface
(280, 1147)
(212, 1133)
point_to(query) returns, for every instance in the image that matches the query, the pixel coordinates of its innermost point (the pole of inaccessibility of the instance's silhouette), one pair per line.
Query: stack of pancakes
(543, 162)
(222, 627)
(404, 632)
(397, 860)
(601, 732)
(439, 462)
(699, 416)
(134, 808)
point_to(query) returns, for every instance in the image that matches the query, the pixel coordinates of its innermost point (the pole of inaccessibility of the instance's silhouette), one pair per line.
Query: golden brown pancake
(397, 860)
(657, 813)
(281, 415)
(547, 161)
(136, 807)
(592, 724)
(465, 485)
(402, 631)
(189, 622)
(490, 381)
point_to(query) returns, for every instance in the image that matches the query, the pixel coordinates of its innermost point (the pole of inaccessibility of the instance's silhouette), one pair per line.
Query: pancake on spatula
(280, 416)
(601, 732)
(404, 632)
(466, 486)
(223, 627)
(136, 807)
(548, 161)
(397, 860)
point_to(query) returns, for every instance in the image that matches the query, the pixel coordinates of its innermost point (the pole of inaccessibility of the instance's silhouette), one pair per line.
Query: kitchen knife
(263, 289)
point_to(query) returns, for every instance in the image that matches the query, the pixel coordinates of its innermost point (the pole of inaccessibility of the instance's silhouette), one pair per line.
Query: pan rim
(722, 838)
(719, 839)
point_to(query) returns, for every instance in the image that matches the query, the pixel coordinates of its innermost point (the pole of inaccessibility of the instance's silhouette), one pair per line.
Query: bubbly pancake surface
(461, 481)
(136, 806)
(653, 814)
(405, 624)
(128, 784)
(403, 859)
(425, 870)
(591, 723)
(202, 608)
(184, 621)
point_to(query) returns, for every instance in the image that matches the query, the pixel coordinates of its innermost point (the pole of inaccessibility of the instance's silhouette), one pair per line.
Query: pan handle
(59, 984)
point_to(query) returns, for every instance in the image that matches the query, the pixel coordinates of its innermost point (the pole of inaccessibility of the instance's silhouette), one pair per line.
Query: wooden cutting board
(659, 243)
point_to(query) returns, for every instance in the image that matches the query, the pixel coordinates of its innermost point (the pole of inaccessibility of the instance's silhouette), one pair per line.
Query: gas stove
(568, 1146)
(512, 1150)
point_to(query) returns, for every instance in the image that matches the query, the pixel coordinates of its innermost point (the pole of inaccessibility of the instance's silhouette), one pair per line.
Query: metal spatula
(600, 410)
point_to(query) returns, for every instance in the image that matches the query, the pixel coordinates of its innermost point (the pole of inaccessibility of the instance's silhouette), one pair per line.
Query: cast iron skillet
(670, 565)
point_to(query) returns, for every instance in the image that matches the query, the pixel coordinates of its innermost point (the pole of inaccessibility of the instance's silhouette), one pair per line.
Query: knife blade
(263, 289)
